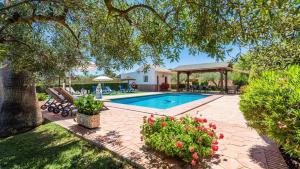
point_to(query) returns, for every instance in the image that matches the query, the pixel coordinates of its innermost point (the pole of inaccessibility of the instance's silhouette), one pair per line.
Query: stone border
(174, 111)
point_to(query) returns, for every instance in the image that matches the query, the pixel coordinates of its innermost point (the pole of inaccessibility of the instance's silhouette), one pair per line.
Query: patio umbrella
(89, 66)
(99, 89)
(128, 78)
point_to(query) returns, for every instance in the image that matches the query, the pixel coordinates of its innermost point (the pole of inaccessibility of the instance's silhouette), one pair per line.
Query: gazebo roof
(204, 67)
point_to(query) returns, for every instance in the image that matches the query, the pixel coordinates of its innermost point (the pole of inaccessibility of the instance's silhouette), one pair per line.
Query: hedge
(271, 104)
(89, 86)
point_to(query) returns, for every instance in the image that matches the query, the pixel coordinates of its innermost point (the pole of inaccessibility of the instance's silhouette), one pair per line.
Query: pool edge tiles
(173, 111)
(161, 101)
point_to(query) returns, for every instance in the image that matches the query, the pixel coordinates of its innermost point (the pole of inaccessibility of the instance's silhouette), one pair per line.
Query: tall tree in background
(50, 37)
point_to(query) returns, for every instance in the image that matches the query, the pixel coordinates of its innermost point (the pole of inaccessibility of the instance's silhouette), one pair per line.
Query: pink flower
(195, 156)
(194, 162)
(214, 148)
(221, 136)
(204, 120)
(179, 144)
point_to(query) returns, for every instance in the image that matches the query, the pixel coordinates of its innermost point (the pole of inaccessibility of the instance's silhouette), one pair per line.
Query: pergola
(221, 67)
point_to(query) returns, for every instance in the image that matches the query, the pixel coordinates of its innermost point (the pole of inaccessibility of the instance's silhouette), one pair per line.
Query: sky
(185, 59)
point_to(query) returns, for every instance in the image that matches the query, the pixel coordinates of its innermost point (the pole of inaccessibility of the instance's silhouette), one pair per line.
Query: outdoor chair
(130, 89)
(107, 90)
(72, 91)
(232, 89)
(56, 103)
(122, 89)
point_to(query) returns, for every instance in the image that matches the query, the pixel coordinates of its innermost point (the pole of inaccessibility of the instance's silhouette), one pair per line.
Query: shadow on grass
(50, 146)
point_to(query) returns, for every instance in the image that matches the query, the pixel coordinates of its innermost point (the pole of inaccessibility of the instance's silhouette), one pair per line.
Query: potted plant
(88, 111)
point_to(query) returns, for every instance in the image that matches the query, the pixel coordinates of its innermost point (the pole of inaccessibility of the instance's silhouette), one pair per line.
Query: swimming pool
(161, 101)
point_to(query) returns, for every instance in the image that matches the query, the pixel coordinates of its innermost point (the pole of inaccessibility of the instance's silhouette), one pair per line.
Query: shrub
(87, 105)
(164, 86)
(190, 139)
(271, 104)
(42, 96)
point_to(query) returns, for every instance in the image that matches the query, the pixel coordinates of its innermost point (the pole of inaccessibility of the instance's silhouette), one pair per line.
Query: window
(145, 78)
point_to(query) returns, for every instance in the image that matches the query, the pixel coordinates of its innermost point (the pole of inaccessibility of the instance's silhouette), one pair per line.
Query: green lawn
(51, 146)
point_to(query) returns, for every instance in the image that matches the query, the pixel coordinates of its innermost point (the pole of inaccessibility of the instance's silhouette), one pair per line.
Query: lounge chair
(232, 89)
(130, 89)
(107, 90)
(56, 103)
(70, 99)
(72, 91)
(122, 89)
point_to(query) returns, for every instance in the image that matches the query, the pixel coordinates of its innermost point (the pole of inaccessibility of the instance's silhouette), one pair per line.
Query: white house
(151, 79)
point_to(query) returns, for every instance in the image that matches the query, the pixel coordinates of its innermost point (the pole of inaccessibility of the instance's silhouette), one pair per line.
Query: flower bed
(190, 139)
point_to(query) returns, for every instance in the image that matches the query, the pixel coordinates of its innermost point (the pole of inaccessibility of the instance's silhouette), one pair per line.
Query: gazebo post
(188, 81)
(178, 81)
(222, 79)
(226, 82)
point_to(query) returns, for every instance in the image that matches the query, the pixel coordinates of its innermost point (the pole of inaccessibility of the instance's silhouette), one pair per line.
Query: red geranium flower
(211, 134)
(194, 162)
(214, 148)
(172, 118)
(200, 128)
(215, 142)
(212, 125)
(204, 120)
(221, 136)
(163, 124)
(192, 149)
(151, 120)
(179, 144)
(195, 156)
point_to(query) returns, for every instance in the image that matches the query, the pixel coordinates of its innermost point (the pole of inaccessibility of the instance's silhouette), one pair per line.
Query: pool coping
(173, 111)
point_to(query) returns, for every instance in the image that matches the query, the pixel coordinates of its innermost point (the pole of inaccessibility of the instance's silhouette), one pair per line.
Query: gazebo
(221, 67)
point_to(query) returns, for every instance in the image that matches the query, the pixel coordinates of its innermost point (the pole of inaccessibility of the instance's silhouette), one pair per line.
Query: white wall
(152, 75)
(139, 76)
(161, 77)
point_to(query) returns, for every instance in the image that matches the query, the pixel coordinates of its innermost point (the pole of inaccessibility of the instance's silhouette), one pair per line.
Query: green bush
(87, 105)
(42, 96)
(190, 139)
(271, 104)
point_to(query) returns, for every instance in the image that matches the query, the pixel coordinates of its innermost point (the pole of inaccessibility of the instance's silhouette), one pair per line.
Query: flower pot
(88, 121)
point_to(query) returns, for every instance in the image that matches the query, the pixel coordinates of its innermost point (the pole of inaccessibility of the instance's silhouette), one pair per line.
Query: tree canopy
(48, 37)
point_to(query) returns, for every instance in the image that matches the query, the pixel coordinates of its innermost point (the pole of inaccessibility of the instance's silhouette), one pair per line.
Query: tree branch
(124, 13)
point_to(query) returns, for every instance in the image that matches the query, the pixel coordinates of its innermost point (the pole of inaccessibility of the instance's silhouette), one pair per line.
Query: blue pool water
(160, 101)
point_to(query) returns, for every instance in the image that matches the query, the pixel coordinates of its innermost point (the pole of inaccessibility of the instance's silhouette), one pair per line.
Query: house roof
(157, 69)
(204, 67)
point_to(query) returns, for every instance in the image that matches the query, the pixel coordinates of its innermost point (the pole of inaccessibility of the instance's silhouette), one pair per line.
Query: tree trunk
(18, 104)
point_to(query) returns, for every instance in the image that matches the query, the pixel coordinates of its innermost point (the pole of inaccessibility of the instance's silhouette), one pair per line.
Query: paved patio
(241, 148)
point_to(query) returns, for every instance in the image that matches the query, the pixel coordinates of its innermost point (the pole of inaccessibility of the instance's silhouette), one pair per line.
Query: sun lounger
(56, 102)
(70, 98)
(107, 90)
(122, 89)
(130, 89)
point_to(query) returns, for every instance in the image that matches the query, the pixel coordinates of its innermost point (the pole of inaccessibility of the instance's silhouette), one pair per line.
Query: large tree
(50, 37)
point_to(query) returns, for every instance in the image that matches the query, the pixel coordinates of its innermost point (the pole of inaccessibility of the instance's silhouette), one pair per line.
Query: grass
(51, 146)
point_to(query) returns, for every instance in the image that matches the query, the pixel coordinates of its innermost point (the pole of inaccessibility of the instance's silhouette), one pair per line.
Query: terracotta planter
(88, 121)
